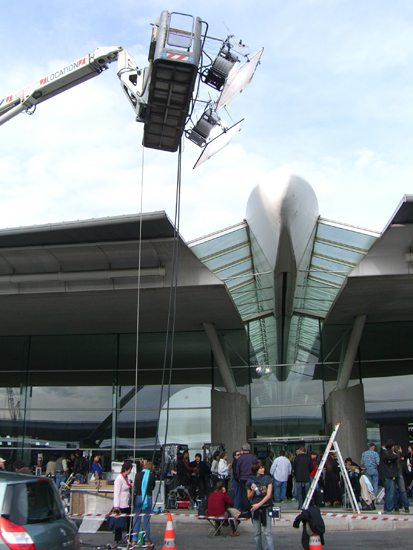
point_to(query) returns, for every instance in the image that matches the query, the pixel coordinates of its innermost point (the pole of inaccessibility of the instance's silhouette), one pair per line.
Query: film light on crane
(218, 143)
(200, 133)
(217, 74)
(239, 79)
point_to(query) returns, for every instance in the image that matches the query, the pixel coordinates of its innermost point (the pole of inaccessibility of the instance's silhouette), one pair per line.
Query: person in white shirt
(280, 470)
(121, 496)
(223, 469)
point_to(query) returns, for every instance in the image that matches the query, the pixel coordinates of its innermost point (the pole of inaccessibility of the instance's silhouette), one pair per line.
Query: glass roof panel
(337, 249)
(234, 270)
(351, 237)
(239, 282)
(219, 242)
(231, 257)
(343, 254)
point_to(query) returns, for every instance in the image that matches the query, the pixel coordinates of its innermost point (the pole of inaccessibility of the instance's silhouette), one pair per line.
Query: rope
(170, 318)
(137, 325)
(138, 307)
(170, 338)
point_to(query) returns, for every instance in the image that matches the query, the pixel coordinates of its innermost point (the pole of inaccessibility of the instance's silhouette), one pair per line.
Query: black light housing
(202, 129)
(218, 73)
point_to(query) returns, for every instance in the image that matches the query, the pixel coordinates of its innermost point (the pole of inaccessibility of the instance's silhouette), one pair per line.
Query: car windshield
(32, 502)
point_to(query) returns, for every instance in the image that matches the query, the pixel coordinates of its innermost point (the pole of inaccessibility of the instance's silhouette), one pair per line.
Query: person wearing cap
(371, 460)
(5, 465)
(244, 463)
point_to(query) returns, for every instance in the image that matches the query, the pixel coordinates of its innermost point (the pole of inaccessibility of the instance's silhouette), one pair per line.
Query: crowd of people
(59, 467)
(290, 477)
(255, 483)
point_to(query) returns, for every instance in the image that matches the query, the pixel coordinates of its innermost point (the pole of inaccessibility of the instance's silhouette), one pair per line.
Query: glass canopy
(332, 253)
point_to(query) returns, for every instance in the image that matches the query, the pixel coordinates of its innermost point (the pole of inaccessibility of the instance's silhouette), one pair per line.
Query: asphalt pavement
(344, 529)
(194, 537)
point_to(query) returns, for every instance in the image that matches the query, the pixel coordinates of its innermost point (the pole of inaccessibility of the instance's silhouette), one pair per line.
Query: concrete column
(220, 359)
(347, 408)
(229, 420)
(344, 372)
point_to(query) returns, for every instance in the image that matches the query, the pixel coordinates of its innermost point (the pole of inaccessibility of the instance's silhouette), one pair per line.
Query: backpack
(203, 506)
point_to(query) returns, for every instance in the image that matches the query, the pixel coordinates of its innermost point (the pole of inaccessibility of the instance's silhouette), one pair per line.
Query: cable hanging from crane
(171, 319)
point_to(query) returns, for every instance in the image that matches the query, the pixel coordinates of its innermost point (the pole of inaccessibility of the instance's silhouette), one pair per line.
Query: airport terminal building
(115, 331)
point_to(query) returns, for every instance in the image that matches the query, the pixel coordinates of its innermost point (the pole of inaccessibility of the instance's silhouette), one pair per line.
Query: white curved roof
(284, 203)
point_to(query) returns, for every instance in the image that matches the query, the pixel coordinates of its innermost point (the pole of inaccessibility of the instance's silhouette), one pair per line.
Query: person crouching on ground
(259, 491)
(217, 502)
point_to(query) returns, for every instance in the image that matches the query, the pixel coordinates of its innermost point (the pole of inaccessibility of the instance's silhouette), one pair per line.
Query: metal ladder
(332, 446)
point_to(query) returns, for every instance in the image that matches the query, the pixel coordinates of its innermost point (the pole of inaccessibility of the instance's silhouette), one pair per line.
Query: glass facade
(78, 391)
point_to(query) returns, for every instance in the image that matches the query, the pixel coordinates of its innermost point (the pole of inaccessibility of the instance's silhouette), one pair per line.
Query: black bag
(203, 506)
(116, 523)
(318, 498)
(365, 506)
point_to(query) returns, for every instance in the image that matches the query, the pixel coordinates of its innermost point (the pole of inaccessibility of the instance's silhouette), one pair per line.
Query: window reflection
(70, 403)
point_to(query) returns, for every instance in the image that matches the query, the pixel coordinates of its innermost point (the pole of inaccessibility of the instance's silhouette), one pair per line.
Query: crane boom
(57, 82)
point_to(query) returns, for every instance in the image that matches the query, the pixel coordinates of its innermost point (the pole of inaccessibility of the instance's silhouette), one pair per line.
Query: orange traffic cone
(169, 543)
(315, 542)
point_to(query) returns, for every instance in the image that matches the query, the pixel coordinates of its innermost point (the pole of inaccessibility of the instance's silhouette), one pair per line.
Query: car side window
(33, 502)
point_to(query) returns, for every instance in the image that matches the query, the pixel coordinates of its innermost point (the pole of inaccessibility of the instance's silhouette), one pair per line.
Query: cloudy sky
(332, 101)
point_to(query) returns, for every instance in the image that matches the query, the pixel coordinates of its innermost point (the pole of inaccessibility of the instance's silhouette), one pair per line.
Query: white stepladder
(332, 446)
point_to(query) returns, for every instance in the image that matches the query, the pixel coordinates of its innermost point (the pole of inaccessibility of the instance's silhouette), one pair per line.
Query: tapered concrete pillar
(225, 371)
(229, 420)
(347, 408)
(346, 367)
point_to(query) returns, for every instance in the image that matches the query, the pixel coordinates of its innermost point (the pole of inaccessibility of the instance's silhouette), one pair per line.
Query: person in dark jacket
(312, 516)
(235, 481)
(388, 471)
(407, 468)
(199, 479)
(400, 494)
(184, 477)
(21, 468)
(332, 489)
(268, 463)
(80, 467)
(244, 463)
(303, 466)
